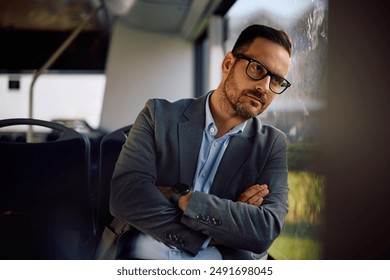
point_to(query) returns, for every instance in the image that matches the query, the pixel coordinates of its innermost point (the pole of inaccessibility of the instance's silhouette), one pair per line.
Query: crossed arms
(253, 195)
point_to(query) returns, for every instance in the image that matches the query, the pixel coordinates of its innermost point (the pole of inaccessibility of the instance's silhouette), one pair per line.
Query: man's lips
(255, 97)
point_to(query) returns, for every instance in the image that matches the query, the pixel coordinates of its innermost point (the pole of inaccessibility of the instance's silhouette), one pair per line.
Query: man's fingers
(257, 201)
(259, 190)
(254, 194)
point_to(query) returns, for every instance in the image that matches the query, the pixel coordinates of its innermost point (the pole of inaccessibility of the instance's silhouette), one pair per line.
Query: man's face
(245, 96)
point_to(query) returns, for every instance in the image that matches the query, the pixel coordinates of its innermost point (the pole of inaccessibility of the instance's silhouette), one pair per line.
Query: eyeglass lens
(257, 72)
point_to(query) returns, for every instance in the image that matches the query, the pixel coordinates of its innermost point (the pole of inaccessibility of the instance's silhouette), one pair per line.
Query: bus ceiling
(187, 18)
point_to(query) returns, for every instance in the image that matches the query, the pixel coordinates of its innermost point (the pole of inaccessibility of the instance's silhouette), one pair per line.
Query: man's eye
(278, 80)
(257, 68)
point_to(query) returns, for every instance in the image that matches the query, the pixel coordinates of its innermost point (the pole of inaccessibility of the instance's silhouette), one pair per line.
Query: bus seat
(45, 209)
(110, 147)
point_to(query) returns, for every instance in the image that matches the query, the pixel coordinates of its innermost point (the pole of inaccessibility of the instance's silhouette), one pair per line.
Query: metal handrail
(52, 59)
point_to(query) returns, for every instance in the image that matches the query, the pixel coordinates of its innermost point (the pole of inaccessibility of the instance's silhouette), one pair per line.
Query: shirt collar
(210, 126)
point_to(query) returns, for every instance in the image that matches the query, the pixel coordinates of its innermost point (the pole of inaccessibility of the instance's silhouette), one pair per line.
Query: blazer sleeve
(135, 196)
(239, 225)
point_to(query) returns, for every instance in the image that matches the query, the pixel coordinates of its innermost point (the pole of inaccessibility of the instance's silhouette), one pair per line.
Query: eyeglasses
(257, 71)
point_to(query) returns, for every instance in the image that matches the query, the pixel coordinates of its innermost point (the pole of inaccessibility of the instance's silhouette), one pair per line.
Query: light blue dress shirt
(210, 155)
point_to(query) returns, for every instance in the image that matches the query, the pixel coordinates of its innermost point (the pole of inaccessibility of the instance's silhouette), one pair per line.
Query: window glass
(296, 111)
(201, 66)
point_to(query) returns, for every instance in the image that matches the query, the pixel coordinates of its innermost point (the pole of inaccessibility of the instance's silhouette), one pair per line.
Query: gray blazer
(162, 150)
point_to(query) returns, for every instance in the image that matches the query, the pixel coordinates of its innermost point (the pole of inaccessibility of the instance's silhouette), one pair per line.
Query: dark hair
(249, 34)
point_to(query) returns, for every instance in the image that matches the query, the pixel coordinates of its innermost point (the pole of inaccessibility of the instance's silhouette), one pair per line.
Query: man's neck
(224, 116)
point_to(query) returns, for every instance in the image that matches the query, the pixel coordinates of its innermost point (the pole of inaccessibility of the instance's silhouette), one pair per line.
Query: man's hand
(254, 195)
(183, 201)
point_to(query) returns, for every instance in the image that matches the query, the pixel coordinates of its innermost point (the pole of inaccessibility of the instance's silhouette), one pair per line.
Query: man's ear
(227, 63)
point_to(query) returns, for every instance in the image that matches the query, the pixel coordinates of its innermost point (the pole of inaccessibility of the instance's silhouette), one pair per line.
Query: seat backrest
(110, 147)
(45, 208)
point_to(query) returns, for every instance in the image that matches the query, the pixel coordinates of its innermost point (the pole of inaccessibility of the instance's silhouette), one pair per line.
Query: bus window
(296, 111)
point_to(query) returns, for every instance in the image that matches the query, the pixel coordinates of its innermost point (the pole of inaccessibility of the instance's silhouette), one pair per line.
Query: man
(225, 172)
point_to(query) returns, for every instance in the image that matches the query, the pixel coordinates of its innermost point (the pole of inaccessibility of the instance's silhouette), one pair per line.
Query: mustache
(255, 93)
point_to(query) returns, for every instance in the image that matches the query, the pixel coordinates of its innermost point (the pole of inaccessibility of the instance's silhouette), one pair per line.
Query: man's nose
(263, 84)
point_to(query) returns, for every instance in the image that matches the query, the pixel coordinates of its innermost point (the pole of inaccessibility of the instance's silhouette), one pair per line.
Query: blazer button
(182, 242)
(215, 221)
(175, 238)
(201, 217)
(168, 236)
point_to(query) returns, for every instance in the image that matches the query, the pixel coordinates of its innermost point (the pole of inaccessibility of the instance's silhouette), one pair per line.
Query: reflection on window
(296, 111)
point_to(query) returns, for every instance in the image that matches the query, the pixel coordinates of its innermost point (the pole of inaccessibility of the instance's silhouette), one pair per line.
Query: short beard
(239, 107)
(236, 104)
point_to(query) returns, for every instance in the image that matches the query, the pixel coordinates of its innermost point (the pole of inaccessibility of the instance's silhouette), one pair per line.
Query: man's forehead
(273, 55)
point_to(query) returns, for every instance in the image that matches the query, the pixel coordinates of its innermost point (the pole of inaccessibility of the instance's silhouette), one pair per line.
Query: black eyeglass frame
(268, 73)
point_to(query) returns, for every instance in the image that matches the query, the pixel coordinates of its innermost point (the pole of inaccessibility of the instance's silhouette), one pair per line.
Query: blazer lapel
(190, 139)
